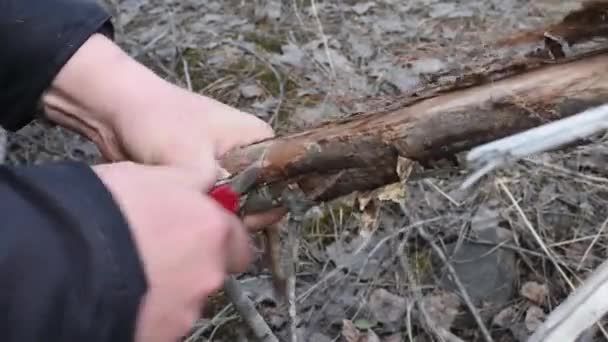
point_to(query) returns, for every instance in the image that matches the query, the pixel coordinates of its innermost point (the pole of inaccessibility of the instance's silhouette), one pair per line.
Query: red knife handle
(227, 197)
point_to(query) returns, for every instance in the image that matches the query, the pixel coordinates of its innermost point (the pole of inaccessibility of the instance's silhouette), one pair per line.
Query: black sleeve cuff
(69, 266)
(38, 37)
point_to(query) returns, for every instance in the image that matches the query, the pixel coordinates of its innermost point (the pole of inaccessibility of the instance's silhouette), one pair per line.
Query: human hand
(186, 241)
(132, 114)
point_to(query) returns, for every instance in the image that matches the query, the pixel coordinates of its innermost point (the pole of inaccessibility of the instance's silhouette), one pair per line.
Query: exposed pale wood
(544, 138)
(522, 82)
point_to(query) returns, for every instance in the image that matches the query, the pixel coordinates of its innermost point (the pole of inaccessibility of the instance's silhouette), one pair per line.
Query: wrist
(97, 88)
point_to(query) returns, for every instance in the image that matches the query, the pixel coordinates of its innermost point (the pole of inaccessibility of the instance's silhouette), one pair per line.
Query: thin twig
(294, 247)
(298, 205)
(597, 236)
(275, 72)
(441, 333)
(247, 310)
(199, 329)
(324, 37)
(534, 233)
(541, 243)
(346, 266)
(484, 330)
(187, 74)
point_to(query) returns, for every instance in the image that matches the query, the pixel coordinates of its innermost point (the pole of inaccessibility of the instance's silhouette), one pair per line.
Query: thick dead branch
(519, 83)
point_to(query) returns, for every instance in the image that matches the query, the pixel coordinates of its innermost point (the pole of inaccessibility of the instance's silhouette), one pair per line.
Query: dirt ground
(379, 276)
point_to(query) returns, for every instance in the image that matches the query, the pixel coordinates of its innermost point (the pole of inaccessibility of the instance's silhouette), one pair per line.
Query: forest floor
(375, 277)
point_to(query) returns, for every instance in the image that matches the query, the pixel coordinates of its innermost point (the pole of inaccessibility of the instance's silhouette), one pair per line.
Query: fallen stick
(544, 138)
(521, 82)
(248, 312)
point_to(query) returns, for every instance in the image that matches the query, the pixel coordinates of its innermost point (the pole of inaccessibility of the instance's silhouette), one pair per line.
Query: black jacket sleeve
(69, 270)
(37, 37)
(68, 266)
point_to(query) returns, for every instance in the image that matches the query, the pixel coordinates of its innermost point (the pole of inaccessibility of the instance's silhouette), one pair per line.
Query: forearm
(68, 265)
(99, 86)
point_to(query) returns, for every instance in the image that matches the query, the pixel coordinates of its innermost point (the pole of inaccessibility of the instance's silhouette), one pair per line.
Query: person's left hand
(130, 113)
(185, 129)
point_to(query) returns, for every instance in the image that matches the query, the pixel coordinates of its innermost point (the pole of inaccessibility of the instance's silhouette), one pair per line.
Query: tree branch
(520, 82)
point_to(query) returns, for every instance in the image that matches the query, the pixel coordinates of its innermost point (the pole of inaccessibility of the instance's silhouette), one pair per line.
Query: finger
(200, 179)
(232, 251)
(240, 253)
(256, 222)
(198, 158)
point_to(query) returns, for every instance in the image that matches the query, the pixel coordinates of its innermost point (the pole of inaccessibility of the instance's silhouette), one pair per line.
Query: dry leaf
(350, 332)
(505, 318)
(442, 308)
(393, 192)
(364, 198)
(387, 307)
(534, 318)
(404, 168)
(369, 218)
(249, 91)
(534, 292)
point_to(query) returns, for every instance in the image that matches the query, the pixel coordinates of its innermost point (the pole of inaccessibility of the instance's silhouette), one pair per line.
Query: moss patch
(266, 42)
(322, 229)
(193, 58)
(421, 264)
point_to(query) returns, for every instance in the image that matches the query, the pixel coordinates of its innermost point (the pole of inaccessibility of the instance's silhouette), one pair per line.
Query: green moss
(240, 66)
(420, 264)
(193, 57)
(269, 80)
(266, 42)
(322, 228)
(304, 3)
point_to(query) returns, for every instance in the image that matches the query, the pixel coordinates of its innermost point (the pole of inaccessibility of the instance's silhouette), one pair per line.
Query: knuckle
(217, 222)
(213, 282)
(267, 130)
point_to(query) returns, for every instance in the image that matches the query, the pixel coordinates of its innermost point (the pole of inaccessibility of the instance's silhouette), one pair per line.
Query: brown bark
(520, 82)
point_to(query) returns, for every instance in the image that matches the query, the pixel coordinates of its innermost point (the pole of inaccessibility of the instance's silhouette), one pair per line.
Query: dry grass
(309, 64)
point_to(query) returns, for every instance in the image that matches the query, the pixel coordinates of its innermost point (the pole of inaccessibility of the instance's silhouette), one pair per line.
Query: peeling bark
(520, 82)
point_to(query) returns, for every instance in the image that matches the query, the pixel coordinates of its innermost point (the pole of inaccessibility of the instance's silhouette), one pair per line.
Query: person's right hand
(187, 242)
